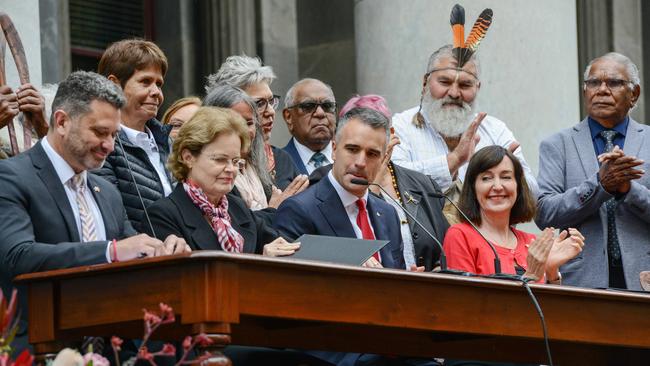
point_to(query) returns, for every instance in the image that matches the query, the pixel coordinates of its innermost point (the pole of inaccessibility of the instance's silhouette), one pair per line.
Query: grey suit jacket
(38, 231)
(571, 196)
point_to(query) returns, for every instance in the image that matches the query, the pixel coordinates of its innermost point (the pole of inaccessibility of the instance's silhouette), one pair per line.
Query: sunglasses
(310, 107)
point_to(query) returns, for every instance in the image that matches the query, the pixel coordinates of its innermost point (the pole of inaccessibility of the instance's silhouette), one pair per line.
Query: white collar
(136, 136)
(306, 153)
(346, 197)
(63, 170)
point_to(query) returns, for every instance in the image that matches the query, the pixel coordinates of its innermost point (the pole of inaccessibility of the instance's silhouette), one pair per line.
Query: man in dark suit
(310, 114)
(337, 207)
(53, 214)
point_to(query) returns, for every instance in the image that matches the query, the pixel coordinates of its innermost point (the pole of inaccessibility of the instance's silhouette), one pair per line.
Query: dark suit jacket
(319, 211)
(285, 169)
(426, 208)
(177, 214)
(293, 152)
(37, 225)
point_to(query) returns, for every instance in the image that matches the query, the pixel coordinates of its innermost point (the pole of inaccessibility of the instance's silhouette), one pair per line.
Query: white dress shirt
(424, 149)
(405, 230)
(306, 154)
(65, 172)
(349, 201)
(146, 142)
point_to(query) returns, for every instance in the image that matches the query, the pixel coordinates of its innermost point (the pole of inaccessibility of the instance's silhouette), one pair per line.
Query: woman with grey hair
(254, 183)
(254, 78)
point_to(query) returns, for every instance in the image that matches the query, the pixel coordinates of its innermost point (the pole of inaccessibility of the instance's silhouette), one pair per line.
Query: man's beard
(450, 121)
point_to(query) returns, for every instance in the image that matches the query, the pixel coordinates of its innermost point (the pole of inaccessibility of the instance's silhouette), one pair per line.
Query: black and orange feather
(464, 49)
(457, 20)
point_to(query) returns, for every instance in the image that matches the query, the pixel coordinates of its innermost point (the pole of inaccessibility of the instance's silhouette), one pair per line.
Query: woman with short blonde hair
(206, 158)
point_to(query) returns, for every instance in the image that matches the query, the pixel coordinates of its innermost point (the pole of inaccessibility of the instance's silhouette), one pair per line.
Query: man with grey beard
(439, 137)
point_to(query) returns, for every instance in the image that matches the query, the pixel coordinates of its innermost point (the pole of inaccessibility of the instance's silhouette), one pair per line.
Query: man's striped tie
(88, 229)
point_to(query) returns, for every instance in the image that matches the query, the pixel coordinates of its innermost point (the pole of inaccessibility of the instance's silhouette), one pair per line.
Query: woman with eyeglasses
(248, 74)
(254, 183)
(206, 159)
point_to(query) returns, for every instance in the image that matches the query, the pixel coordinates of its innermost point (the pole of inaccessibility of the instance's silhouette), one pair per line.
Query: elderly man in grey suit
(53, 214)
(591, 176)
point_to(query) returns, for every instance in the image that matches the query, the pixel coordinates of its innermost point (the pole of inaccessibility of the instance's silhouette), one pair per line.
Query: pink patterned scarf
(230, 240)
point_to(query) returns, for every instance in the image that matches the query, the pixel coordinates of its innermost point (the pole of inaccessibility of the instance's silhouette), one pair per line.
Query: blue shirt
(599, 142)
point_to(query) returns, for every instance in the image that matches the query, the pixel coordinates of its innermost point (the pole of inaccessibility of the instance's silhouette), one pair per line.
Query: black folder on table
(350, 251)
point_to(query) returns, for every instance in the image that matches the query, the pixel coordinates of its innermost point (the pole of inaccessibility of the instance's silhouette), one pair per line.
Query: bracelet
(115, 251)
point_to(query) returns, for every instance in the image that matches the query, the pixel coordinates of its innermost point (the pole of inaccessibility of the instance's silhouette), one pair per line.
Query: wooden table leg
(219, 333)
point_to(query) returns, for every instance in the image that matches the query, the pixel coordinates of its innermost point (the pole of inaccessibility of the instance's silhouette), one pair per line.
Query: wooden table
(309, 305)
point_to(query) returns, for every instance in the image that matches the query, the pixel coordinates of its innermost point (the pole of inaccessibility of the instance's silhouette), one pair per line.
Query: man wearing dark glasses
(310, 113)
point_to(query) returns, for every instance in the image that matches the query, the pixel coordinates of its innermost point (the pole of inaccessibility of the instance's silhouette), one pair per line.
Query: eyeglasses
(612, 84)
(262, 103)
(310, 107)
(223, 162)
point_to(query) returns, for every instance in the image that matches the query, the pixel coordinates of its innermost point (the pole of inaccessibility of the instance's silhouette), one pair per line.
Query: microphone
(443, 257)
(128, 166)
(497, 261)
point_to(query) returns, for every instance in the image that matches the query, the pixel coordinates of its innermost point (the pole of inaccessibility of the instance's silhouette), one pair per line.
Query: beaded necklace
(394, 180)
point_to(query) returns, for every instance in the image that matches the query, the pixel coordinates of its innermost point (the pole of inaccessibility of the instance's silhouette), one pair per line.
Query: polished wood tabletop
(262, 301)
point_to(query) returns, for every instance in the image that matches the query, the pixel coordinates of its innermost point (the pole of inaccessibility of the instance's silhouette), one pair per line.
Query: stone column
(628, 40)
(279, 49)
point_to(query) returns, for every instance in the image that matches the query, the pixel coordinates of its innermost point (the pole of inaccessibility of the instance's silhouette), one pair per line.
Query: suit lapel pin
(410, 199)
(378, 213)
(96, 189)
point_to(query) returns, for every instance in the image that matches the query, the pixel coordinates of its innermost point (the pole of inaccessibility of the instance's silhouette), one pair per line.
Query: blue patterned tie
(613, 246)
(318, 159)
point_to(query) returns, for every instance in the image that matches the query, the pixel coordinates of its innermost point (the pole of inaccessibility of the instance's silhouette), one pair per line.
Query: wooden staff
(16, 46)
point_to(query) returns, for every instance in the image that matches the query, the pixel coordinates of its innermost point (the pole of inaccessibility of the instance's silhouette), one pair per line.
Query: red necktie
(364, 224)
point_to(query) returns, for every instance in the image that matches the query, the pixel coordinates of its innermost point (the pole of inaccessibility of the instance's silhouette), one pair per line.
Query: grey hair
(630, 67)
(242, 72)
(368, 116)
(447, 51)
(226, 96)
(80, 88)
(289, 99)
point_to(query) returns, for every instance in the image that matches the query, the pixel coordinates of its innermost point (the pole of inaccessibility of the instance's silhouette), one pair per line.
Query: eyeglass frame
(607, 81)
(262, 104)
(301, 106)
(224, 161)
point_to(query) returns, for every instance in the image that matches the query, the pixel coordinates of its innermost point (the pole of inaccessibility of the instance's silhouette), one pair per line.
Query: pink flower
(116, 343)
(151, 318)
(144, 354)
(187, 343)
(166, 313)
(96, 359)
(203, 340)
(167, 350)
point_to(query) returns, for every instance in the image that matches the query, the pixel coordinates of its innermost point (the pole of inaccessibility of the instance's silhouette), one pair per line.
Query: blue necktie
(318, 159)
(613, 246)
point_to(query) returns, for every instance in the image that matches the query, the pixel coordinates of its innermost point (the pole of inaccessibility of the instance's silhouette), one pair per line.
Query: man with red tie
(336, 206)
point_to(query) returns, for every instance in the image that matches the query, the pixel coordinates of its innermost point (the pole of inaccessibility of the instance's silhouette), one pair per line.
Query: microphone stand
(443, 257)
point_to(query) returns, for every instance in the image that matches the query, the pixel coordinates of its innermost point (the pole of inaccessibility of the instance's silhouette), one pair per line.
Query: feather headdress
(464, 49)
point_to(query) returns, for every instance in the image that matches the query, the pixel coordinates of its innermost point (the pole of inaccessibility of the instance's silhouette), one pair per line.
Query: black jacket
(177, 214)
(285, 168)
(422, 204)
(115, 171)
